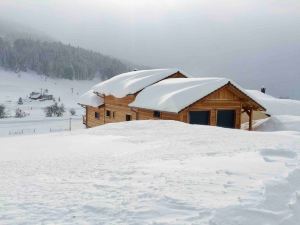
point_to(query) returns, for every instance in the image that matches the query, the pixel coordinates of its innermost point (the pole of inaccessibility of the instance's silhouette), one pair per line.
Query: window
(97, 115)
(128, 117)
(107, 113)
(156, 114)
(113, 114)
(199, 117)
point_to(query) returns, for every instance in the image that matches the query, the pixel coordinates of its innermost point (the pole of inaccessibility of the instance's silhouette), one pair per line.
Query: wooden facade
(226, 98)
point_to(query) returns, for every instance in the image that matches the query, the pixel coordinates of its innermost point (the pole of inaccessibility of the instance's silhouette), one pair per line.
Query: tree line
(57, 60)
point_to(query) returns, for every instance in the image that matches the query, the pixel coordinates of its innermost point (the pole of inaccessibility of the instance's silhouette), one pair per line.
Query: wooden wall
(222, 99)
(91, 121)
(145, 114)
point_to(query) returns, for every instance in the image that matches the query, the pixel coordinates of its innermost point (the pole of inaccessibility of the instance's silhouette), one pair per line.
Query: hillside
(57, 60)
(131, 173)
(19, 85)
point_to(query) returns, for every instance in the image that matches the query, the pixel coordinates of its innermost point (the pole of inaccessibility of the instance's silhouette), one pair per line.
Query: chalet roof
(173, 95)
(90, 99)
(132, 82)
(277, 106)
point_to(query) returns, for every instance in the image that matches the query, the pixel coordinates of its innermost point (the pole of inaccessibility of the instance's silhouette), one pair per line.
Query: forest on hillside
(58, 60)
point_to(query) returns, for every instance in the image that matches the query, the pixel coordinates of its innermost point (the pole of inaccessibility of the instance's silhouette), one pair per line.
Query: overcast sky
(255, 42)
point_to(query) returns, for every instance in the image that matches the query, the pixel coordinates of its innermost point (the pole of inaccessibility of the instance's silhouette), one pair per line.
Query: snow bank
(276, 106)
(132, 82)
(279, 123)
(173, 95)
(90, 99)
(130, 173)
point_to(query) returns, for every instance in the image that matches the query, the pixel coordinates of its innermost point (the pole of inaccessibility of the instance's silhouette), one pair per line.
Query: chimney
(263, 89)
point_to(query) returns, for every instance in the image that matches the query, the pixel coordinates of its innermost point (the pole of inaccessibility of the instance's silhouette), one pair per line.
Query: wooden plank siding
(91, 120)
(222, 99)
(146, 114)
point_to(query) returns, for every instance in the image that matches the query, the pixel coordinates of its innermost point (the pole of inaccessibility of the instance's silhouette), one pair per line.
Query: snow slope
(16, 85)
(131, 173)
(276, 106)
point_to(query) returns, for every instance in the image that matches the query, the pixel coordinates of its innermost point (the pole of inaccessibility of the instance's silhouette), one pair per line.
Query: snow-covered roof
(35, 95)
(173, 95)
(90, 99)
(132, 82)
(276, 106)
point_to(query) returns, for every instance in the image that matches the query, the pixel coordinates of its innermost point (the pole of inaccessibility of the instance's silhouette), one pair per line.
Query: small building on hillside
(169, 95)
(35, 95)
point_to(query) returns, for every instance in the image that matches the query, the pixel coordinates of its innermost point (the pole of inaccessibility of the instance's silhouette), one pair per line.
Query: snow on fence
(30, 127)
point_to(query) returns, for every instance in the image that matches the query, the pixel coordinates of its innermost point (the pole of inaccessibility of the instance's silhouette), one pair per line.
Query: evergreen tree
(2, 111)
(20, 101)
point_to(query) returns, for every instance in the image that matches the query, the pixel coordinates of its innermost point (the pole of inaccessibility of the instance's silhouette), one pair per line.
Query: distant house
(47, 97)
(35, 95)
(169, 95)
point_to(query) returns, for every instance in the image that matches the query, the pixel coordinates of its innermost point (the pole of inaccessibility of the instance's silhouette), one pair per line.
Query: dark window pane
(199, 117)
(97, 115)
(226, 118)
(156, 114)
(128, 117)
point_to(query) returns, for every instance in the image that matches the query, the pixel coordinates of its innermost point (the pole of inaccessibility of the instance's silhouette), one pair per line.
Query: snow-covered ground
(16, 85)
(151, 172)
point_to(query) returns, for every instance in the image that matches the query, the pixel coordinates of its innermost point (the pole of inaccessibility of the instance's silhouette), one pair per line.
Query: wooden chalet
(108, 101)
(168, 95)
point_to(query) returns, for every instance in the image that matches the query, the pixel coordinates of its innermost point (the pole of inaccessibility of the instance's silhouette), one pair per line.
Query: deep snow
(279, 123)
(89, 98)
(151, 172)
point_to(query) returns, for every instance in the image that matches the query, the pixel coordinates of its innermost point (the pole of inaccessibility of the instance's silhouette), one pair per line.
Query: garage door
(199, 117)
(226, 118)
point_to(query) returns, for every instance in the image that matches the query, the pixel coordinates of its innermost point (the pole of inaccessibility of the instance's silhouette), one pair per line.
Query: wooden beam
(250, 119)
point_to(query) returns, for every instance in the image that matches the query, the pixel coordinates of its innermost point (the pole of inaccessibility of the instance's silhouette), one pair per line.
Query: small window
(128, 117)
(107, 113)
(113, 114)
(97, 115)
(156, 114)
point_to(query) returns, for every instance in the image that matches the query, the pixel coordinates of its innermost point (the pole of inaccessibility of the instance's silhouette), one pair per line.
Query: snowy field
(16, 85)
(151, 172)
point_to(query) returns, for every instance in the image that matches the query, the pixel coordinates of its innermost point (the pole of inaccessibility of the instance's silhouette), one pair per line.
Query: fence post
(70, 124)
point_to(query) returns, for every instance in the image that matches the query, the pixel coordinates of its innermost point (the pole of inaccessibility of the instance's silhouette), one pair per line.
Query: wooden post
(250, 118)
(70, 124)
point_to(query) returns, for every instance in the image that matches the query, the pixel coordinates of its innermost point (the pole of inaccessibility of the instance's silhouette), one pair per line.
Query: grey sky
(255, 42)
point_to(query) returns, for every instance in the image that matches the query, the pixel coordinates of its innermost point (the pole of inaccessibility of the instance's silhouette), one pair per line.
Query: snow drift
(279, 123)
(151, 172)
